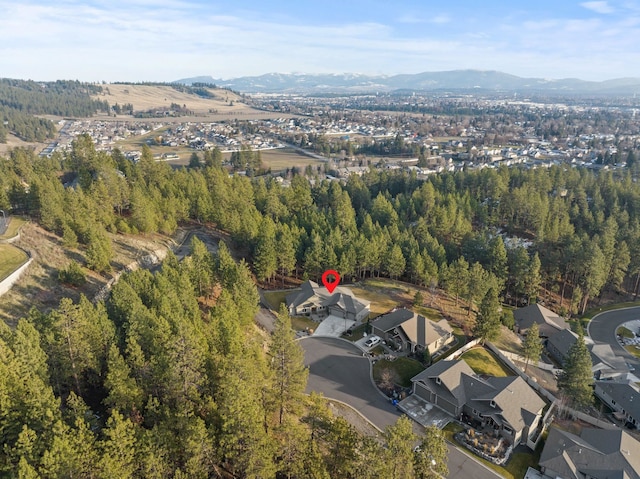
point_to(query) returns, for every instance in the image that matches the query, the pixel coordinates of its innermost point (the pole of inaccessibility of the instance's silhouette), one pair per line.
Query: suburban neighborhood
(494, 415)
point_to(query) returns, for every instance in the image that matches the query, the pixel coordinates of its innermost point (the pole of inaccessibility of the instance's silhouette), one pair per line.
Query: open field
(283, 158)
(149, 97)
(11, 258)
(15, 142)
(146, 97)
(484, 362)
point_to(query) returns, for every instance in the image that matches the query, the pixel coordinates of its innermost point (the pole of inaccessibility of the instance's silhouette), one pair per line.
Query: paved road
(339, 371)
(602, 329)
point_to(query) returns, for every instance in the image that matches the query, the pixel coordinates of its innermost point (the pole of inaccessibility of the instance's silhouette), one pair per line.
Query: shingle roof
(391, 320)
(450, 373)
(563, 340)
(624, 394)
(548, 321)
(312, 294)
(600, 453)
(418, 329)
(515, 402)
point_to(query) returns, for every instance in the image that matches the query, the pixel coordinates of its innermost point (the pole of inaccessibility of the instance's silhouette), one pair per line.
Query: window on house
(507, 429)
(492, 403)
(438, 381)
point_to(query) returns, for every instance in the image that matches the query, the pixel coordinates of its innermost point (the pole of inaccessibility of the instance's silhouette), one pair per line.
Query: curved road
(338, 370)
(602, 329)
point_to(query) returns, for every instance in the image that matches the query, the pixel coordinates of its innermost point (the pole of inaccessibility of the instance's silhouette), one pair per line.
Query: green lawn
(430, 313)
(484, 362)
(625, 332)
(14, 226)
(300, 323)
(274, 298)
(633, 350)
(11, 258)
(405, 369)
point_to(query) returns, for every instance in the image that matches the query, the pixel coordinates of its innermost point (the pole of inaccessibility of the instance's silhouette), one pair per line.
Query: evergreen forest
(170, 377)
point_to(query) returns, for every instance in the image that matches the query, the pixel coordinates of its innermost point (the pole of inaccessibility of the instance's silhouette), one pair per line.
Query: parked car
(372, 341)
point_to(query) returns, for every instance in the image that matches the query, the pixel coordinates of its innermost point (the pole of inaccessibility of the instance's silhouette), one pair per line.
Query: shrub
(72, 275)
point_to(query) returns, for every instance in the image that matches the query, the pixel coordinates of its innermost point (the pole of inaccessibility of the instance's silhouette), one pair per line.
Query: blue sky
(163, 40)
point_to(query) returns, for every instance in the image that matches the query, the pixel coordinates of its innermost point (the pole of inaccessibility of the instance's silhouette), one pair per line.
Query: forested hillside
(170, 377)
(570, 232)
(20, 100)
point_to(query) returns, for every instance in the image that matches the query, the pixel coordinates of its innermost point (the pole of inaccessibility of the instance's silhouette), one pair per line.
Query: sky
(165, 40)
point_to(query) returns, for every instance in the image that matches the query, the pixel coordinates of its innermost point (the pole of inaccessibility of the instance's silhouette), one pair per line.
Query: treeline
(155, 384)
(20, 100)
(523, 232)
(25, 126)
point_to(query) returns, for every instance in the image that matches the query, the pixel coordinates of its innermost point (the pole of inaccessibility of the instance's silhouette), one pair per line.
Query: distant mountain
(427, 81)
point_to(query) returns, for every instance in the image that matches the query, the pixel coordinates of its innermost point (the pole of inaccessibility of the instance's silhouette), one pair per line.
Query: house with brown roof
(316, 302)
(594, 454)
(409, 331)
(549, 322)
(506, 404)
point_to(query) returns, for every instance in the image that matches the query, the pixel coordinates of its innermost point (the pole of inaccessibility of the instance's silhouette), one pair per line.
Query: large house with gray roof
(507, 404)
(594, 454)
(409, 331)
(549, 322)
(316, 302)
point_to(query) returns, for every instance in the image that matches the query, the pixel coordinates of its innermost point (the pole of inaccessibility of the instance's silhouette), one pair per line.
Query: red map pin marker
(330, 285)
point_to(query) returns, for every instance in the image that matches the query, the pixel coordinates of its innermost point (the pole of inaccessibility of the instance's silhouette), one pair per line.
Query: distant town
(424, 134)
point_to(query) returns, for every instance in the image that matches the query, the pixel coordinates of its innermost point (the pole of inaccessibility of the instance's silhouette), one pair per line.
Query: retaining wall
(7, 283)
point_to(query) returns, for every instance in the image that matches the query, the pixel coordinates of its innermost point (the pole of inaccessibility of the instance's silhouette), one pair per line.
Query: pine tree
(487, 327)
(532, 346)
(287, 363)
(430, 457)
(577, 378)
(400, 441)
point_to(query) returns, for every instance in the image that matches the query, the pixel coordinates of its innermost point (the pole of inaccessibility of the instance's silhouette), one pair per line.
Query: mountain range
(455, 80)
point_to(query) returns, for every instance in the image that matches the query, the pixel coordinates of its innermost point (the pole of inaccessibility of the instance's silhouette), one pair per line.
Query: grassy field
(404, 368)
(625, 332)
(149, 97)
(275, 298)
(384, 294)
(484, 362)
(282, 158)
(14, 226)
(11, 258)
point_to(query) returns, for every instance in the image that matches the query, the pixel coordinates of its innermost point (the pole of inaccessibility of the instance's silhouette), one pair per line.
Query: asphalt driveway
(602, 329)
(338, 370)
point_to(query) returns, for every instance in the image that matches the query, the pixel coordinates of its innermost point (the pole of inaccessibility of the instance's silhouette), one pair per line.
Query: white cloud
(598, 7)
(170, 39)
